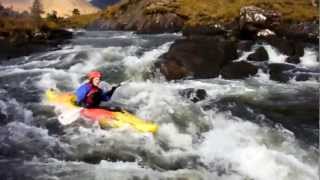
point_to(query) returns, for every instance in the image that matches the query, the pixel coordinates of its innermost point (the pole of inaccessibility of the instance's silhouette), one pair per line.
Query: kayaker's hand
(114, 88)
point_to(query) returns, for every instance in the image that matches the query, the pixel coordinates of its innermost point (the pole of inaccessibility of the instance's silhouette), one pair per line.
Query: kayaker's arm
(81, 93)
(107, 96)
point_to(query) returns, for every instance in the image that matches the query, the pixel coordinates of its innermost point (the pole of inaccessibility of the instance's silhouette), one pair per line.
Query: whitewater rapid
(195, 140)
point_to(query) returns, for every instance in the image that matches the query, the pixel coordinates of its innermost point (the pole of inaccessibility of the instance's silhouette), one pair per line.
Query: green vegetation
(75, 12)
(212, 11)
(37, 9)
(11, 25)
(228, 10)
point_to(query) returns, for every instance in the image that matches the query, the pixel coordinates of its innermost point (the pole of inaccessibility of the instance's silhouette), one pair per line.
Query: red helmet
(94, 74)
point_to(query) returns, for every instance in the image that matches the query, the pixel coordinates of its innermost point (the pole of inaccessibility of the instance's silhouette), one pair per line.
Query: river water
(236, 132)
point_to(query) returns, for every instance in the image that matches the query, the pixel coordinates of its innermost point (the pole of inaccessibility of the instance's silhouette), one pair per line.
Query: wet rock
(194, 95)
(284, 72)
(293, 60)
(287, 47)
(265, 33)
(201, 57)
(245, 45)
(300, 31)
(280, 72)
(259, 55)
(4, 119)
(238, 70)
(59, 34)
(23, 43)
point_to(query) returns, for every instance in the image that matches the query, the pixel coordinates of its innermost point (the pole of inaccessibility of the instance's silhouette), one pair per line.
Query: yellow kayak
(105, 117)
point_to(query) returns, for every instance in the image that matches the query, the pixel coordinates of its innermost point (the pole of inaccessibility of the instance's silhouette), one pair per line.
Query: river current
(227, 136)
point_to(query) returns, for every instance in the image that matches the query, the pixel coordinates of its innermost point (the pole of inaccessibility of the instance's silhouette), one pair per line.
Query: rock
(142, 24)
(259, 55)
(59, 34)
(284, 72)
(266, 33)
(279, 72)
(24, 42)
(4, 118)
(253, 19)
(158, 23)
(293, 60)
(245, 45)
(105, 25)
(200, 57)
(302, 74)
(301, 31)
(238, 70)
(195, 95)
(287, 47)
(173, 69)
(314, 3)
(206, 30)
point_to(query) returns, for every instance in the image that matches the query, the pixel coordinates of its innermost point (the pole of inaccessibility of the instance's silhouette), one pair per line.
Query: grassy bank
(228, 10)
(209, 11)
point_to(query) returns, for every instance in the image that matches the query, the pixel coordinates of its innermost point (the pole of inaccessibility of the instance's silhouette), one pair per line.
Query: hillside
(208, 11)
(63, 8)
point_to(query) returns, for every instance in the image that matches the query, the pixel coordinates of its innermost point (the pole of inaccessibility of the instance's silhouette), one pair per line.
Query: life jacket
(93, 98)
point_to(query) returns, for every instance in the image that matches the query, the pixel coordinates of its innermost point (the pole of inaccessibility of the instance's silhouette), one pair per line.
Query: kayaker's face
(96, 81)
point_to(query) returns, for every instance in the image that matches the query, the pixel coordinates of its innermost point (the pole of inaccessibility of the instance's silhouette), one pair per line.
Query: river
(228, 135)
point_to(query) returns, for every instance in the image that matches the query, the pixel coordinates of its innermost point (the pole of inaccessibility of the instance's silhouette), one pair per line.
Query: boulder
(259, 55)
(280, 72)
(286, 46)
(238, 70)
(200, 57)
(293, 60)
(245, 45)
(284, 72)
(253, 20)
(195, 95)
(300, 31)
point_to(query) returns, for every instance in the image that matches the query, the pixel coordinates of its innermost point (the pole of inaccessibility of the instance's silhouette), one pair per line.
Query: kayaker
(90, 95)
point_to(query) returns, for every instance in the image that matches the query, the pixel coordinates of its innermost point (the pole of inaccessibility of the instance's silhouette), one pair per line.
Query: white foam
(243, 144)
(18, 111)
(309, 60)
(175, 139)
(274, 55)
(138, 65)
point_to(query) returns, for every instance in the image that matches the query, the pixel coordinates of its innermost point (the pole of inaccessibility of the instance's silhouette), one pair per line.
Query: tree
(76, 12)
(37, 9)
(52, 16)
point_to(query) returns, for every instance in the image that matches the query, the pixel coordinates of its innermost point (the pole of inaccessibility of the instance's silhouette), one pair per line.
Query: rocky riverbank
(209, 52)
(216, 36)
(23, 43)
(22, 34)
